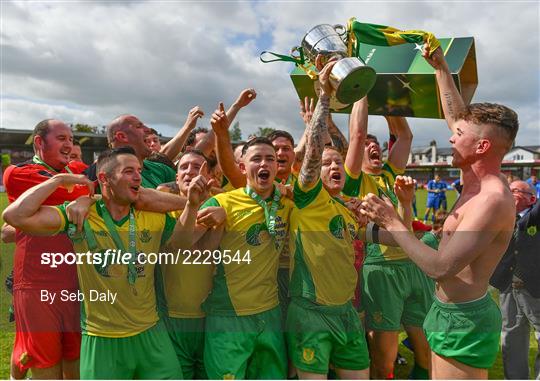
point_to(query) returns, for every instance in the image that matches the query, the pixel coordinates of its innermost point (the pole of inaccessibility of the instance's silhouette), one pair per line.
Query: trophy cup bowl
(351, 79)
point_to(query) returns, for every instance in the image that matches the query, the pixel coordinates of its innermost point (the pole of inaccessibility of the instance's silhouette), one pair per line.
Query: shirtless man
(463, 326)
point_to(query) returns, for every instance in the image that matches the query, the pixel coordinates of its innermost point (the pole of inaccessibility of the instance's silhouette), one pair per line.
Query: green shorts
(395, 293)
(147, 355)
(283, 292)
(187, 336)
(466, 332)
(320, 335)
(243, 347)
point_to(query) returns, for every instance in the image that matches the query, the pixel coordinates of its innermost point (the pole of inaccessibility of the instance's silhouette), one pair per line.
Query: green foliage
(235, 132)
(264, 131)
(80, 127)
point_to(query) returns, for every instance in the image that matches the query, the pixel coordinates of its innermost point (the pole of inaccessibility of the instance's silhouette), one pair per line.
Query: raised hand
(245, 97)
(324, 77)
(436, 59)
(307, 106)
(404, 189)
(193, 115)
(219, 121)
(198, 187)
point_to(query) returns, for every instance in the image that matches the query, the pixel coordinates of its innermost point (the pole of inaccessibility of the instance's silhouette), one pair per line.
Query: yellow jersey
(134, 308)
(321, 245)
(245, 282)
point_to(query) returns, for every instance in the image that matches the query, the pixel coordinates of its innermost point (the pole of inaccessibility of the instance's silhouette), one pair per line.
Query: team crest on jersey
(257, 234)
(378, 317)
(145, 236)
(337, 226)
(531, 230)
(308, 354)
(229, 376)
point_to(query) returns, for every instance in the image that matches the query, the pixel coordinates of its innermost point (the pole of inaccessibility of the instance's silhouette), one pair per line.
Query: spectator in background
(75, 157)
(152, 141)
(434, 188)
(516, 276)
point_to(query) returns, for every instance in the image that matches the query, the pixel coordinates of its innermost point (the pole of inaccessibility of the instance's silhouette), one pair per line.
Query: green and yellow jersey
(134, 308)
(186, 285)
(381, 185)
(321, 244)
(226, 185)
(246, 282)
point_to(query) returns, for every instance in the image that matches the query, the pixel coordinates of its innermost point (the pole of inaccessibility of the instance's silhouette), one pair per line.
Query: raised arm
(336, 137)
(208, 143)
(182, 237)
(225, 155)
(317, 131)
(27, 214)
(358, 123)
(399, 154)
(174, 146)
(451, 99)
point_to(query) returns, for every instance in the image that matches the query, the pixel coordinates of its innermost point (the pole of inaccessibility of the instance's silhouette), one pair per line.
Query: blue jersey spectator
(435, 188)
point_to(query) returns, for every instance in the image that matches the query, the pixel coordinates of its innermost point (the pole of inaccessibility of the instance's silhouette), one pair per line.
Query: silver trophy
(350, 78)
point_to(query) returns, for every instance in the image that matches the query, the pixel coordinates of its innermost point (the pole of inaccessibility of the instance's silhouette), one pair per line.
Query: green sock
(419, 373)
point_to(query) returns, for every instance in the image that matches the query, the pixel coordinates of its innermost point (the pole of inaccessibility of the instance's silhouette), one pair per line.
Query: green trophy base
(405, 83)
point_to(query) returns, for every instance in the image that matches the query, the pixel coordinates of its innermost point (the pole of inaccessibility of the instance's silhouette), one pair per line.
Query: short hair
(42, 128)
(502, 117)
(107, 160)
(197, 152)
(259, 140)
(200, 129)
(280, 134)
(158, 157)
(372, 137)
(153, 132)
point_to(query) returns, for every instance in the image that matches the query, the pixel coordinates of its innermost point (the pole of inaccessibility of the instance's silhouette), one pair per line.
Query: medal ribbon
(132, 271)
(269, 212)
(37, 160)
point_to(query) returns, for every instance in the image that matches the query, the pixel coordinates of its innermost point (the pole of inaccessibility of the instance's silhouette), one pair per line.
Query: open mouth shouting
(135, 188)
(336, 176)
(263, 175)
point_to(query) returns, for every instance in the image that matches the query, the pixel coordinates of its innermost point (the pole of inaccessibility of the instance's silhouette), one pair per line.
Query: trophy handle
(342, 28)
(299, 60)
(300, 57)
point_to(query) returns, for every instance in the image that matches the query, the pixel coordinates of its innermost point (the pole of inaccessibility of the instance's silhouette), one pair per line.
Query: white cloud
(88, 62)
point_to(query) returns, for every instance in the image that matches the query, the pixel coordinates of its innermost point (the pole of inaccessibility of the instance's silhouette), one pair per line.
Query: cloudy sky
(86, 62)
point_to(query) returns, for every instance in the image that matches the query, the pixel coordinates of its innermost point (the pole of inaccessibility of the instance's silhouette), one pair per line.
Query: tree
(80, 127)
(264, 131)
(235, 132)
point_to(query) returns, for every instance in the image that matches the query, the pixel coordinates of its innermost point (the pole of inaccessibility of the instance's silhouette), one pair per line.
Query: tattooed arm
(451, 99)
(317, 132)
